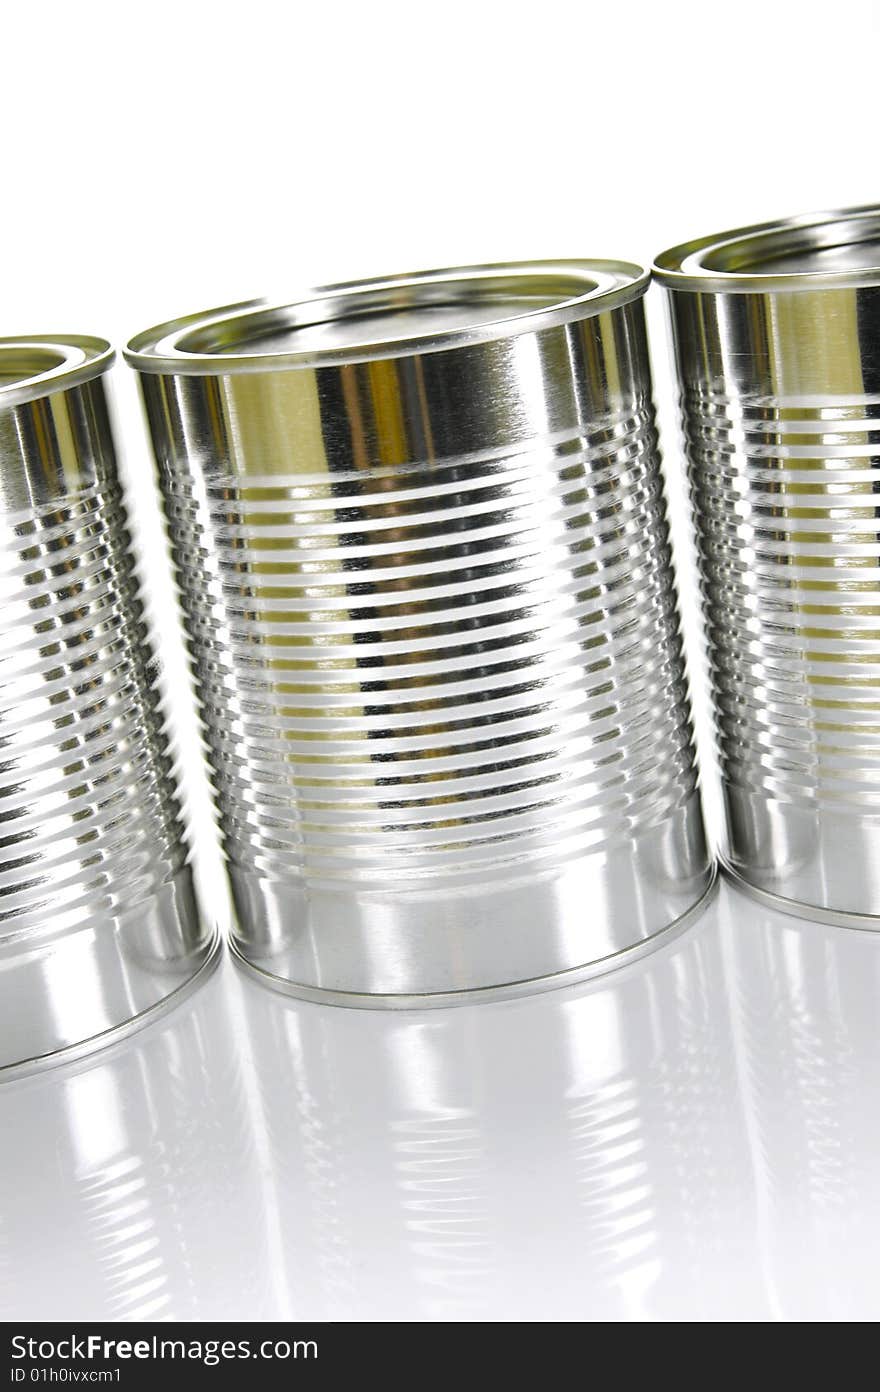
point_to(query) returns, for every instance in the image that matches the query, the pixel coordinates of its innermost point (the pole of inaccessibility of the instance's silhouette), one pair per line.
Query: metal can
(98, 920)
(420, 536)
(777, 340)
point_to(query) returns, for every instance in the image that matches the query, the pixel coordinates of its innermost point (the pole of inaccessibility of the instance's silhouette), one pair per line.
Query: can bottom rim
(97, 1043)
(795, 908)
(357, 1000)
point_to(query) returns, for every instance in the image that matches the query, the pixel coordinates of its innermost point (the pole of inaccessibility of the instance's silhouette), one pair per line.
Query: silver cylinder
(420, 536)
(777, 334)
(98, 921)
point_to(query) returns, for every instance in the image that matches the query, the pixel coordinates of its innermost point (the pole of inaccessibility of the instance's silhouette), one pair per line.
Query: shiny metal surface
(420, 534)
(777, 333)
(98, 922)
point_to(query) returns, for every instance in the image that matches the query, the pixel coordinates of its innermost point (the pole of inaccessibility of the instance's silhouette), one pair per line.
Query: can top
(359, 321)
(833, 250)
(31, 367)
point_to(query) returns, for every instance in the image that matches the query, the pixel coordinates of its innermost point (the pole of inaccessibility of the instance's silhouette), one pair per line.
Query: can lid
(430, 311)
(831, 250)
(31, 367)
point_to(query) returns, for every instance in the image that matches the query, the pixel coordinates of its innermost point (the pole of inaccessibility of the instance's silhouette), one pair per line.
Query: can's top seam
(41, 364)
(608, 286)
(683, 267)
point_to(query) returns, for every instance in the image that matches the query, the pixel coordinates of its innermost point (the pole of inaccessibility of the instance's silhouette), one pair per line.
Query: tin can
(777, 340)
(98, 920)
(420, 537)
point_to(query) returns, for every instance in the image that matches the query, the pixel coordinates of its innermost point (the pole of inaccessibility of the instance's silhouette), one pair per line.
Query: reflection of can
(401, 1180)
(777, 331)
(420, 534)
(134, 1177)
(98, 923)
(806, 1007)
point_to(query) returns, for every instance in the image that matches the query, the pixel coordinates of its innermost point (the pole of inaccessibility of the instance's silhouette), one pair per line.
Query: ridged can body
(777, 334)
(98, 921)
(420, 537)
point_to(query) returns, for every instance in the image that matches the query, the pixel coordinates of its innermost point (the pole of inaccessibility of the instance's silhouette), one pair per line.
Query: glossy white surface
(694, 1138)
(699, 1138)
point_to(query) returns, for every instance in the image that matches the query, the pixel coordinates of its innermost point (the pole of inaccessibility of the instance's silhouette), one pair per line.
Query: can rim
(36, 365)
(726, 261)
(617, 962)
(200, 344)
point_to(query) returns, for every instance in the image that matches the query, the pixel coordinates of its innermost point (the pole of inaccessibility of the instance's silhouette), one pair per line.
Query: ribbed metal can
(420, 537)
(98, 920)
(777, 335)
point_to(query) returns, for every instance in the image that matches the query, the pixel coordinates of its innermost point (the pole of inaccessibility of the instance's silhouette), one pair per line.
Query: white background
(161, 159)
